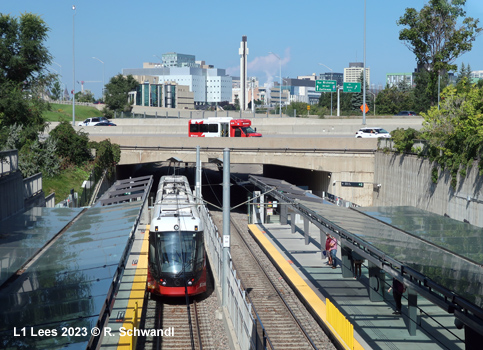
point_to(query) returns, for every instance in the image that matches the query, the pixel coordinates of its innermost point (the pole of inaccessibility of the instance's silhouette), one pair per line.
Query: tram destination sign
(351, 184)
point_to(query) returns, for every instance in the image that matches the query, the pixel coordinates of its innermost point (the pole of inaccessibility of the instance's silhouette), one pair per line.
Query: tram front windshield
(175, 249)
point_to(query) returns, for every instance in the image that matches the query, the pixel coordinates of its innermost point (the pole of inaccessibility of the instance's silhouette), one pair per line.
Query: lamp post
(321, 64)
(364, 72)
(102, 76)
(73, 66)
(60, 79)
(280, 60)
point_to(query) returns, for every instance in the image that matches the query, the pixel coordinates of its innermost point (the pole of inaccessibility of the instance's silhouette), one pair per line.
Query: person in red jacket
(333, 251)
(327, 249)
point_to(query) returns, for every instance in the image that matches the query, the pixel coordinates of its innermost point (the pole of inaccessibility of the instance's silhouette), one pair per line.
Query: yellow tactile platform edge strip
(308, 294)
(137, 293)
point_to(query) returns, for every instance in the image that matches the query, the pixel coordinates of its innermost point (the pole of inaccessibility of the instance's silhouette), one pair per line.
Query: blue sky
(124, 34)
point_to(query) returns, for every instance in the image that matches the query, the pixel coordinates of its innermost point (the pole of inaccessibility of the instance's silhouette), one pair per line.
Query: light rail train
(176, 257)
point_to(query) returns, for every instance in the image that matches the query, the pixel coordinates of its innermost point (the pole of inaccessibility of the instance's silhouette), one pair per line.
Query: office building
(208, 85)
(354, 72)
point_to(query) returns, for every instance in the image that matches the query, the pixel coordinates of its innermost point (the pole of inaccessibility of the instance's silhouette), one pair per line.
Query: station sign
(351, 184)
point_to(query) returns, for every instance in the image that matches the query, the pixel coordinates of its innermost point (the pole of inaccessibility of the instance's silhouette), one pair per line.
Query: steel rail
(273, 285)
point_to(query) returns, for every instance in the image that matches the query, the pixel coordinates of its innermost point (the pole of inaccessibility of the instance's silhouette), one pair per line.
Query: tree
(464, 72)
(394, 99)
(455, 131)
(436, 38)
(23, 75)
(108, 156)
(72, 146)
(116, 92)
(84, 96)
(56, 90)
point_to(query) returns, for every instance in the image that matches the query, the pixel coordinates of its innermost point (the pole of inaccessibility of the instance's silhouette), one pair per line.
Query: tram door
(225, 129)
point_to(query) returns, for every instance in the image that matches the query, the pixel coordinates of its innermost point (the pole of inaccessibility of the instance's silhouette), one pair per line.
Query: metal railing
(238, 308)
(8, 162)
(32, 185)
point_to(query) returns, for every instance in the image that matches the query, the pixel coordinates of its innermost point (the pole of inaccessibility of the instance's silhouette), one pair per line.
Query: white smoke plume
(268, 65)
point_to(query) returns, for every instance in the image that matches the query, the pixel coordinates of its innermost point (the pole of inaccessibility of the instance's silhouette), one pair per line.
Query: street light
(63, 86)
(321, 64)
(373, 94)
(280, 60)
(102, 76)
(73, 66)
(364, 72)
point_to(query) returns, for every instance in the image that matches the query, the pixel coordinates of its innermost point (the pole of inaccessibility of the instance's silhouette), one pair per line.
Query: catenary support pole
(226, 224)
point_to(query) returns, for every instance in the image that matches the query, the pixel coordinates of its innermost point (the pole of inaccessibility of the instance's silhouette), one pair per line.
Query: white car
(372, 132)
(93, 121)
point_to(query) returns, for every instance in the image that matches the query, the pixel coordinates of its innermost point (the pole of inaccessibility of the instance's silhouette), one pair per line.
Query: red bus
(221, 127)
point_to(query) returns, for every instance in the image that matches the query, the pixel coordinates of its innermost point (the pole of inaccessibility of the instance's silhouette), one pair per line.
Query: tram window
(237, 133)
(213, 128)
(195, 128)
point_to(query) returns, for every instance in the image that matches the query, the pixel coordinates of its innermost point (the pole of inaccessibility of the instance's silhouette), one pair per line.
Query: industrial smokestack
(243, 51)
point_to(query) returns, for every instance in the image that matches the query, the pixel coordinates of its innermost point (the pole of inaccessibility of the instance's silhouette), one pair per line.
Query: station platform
(322, 289)
(128, 306)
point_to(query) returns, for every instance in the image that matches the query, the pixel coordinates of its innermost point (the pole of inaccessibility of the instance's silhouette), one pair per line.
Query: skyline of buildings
(207, 85)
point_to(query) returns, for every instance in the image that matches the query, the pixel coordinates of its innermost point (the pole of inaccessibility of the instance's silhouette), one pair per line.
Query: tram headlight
(196, 228)
(156, 228)
(176, 227)
(190, 283)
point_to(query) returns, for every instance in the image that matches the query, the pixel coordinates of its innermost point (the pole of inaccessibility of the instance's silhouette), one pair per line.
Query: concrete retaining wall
(406, 180)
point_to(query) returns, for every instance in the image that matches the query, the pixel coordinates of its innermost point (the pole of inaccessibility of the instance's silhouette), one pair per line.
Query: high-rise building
(353, 73)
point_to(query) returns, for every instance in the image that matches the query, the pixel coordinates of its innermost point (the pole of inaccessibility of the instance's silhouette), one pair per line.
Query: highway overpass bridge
(320, 153)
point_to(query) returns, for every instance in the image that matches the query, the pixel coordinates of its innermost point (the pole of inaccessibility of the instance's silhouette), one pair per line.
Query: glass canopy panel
(67, 286)
(431, 248)
(22, 235)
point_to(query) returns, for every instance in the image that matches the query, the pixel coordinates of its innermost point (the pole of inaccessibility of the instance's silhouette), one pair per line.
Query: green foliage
(85, 96)
(434, 175)
(60, 112)
(72, 146)
(56, 90)
(394, 99)
(67, 179)
(108, 156)
(437, 35)
(23, 75)
(455, 131)
(117, 93)
(404, 139)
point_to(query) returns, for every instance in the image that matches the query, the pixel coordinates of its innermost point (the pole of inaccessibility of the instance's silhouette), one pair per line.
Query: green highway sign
(325, 86)
(352, 87)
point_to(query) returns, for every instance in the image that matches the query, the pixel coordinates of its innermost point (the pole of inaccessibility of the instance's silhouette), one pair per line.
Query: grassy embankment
(64, 113)
(72, 177)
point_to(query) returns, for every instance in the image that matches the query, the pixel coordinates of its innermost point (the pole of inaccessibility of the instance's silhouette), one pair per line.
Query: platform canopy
(60, 270)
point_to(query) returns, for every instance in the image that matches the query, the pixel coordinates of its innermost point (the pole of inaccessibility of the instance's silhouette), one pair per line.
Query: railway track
(172, 317)
(287, 322)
